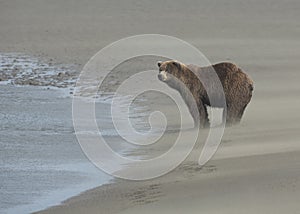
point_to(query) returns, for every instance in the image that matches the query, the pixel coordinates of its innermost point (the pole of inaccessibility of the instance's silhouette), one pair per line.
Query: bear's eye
(167, 69)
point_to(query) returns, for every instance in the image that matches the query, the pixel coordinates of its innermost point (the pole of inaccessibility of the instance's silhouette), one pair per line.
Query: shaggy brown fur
(236, 84)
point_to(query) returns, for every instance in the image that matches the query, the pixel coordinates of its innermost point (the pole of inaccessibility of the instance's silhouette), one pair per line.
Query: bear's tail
(251, 87)
(249, 80)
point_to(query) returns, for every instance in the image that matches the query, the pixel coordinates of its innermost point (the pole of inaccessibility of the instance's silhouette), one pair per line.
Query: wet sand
(256, 169)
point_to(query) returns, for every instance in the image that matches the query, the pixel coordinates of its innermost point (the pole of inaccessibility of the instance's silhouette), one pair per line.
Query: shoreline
(152, 196)
(47, 150)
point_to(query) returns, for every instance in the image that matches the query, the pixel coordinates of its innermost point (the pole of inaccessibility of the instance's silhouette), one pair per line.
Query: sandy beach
(256, 168)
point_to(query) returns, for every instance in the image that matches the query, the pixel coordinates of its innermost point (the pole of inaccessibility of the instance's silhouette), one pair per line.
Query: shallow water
(41, 161)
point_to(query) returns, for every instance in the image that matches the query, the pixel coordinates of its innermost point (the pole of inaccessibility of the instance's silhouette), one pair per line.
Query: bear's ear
(159, 63)
(177, 64)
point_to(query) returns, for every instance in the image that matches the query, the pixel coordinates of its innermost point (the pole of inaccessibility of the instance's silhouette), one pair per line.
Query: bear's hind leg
(235, 114)
(232, 116)
(241, 112)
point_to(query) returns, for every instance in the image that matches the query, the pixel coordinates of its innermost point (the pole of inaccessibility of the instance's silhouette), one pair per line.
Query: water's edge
(42, 164)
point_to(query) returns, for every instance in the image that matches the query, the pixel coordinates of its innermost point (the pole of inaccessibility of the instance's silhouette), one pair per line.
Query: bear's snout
(162, 76)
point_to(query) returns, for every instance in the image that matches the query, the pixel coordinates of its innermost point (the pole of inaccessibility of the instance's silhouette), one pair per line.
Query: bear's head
(170, 71)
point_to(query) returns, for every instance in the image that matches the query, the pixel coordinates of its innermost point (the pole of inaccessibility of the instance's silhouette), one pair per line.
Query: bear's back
(224, 70)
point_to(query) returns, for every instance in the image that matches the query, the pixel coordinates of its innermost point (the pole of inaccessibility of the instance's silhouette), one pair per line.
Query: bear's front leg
(201, 117)
(204, 117)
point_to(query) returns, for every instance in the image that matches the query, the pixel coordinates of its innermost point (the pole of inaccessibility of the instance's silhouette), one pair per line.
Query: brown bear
(237, 88)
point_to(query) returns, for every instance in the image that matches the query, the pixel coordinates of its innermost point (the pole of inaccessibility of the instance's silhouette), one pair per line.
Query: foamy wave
(21, 69)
